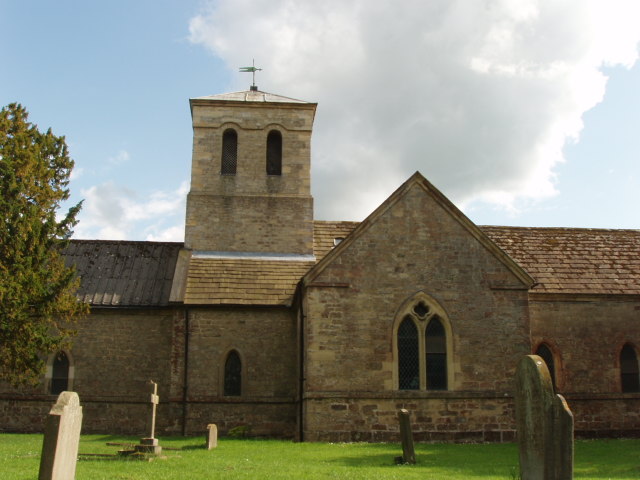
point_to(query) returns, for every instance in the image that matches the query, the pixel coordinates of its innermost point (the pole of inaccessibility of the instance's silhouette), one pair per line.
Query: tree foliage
(37, 291)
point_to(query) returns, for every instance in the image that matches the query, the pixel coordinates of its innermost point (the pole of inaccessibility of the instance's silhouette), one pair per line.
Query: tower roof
(250, 96)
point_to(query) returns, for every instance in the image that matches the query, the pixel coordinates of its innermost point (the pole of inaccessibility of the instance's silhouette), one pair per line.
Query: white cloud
(480, 97)
(114, 212)
(119, 158)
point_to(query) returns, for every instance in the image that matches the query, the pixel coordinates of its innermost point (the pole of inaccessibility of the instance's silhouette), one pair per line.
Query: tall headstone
(544, 423)
(212, 436)
(408, 452)
(61, 439)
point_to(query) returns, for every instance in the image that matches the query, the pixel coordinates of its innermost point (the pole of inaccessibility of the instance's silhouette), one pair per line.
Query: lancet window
(629, 372)
(229, 152)
(232, 375)
(274, 153)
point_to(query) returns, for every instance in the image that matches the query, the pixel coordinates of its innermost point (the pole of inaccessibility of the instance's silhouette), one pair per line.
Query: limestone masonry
(266, 322)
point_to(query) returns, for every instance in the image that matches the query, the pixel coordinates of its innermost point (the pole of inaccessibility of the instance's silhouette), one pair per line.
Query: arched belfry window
(232, 375)
(422, 345)
(229, 152)
(60, 374)
(274, 153)
(408, 355)
(545, 352)
(629, 372)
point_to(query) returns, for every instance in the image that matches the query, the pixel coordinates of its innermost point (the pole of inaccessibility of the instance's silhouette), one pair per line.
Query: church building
(270, 323)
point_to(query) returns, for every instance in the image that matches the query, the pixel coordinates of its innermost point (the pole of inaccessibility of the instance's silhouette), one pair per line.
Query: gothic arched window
(408, 355)
(545, 352)
(422, 345)
(229, 152)
(233, 375)
(436, 349)
(274, 153)
(629, 372)
(60, 374)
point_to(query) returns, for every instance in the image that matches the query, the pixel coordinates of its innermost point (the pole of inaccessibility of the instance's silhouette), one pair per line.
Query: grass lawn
(264, 459)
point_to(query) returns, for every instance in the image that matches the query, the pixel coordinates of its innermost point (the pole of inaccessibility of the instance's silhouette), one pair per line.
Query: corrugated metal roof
(123, 273)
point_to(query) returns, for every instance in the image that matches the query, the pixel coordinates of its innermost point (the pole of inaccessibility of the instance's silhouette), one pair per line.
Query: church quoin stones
(268, 320)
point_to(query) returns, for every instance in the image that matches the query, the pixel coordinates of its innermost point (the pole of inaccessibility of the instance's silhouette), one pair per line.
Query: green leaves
(37, 291)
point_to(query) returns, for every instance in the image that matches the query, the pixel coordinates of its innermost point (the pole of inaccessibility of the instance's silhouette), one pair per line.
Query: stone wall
(446, 417)
(352, 306)
(585, 335)
(265, 339)
(114, 355)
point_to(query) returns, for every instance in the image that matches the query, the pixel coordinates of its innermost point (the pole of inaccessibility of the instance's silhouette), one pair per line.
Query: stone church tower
(250, 177)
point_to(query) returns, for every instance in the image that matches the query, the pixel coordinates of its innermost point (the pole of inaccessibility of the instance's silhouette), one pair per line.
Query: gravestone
(544, 424)
(61, 439)
(406, 435)
(150, 444)
(212, 436)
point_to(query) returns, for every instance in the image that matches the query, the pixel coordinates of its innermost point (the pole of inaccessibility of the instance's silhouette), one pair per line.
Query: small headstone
(61, 439)
(544, 423)
(408, 452)
(212, 436)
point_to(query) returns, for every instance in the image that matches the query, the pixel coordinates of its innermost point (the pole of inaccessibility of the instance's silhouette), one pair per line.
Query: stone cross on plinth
(150, 444)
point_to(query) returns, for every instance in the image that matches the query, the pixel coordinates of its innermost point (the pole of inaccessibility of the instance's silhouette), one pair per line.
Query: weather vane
(253, 69)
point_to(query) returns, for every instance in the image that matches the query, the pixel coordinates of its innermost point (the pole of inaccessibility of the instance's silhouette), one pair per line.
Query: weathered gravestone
(212, 436)
(61, 439)
(544, 423)
(406, 435)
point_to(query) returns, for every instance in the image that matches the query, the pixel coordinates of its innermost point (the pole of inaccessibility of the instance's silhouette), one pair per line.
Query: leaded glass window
(436, 352)
(232, 375)
(629, 375)
(60, 374)
(545, 352)
(229, 152)
(274, 153)
(408, 355)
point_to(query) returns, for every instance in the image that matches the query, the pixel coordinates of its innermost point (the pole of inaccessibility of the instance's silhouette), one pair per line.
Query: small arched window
(545, 352)
(274, 153)
(436, 349)
(229, 152)
(233, 375)
(408, 355)
(629, 372)
(60, 374)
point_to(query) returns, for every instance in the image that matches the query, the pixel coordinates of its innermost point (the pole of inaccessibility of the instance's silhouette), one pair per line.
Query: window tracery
(422, 346)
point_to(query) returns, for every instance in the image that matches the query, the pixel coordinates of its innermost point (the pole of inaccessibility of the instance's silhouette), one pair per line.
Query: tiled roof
(574, 260)
(241, 281)
(123, 273)
(325, 233)
(126, 273)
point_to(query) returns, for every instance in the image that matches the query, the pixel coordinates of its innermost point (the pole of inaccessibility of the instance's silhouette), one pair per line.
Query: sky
(522, 112)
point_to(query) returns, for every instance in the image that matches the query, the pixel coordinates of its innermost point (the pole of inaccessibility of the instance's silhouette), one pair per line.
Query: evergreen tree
(37, 291)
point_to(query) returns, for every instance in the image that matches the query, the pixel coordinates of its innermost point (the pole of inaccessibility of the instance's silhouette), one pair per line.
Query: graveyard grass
(274, 459)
